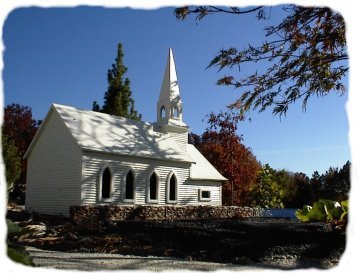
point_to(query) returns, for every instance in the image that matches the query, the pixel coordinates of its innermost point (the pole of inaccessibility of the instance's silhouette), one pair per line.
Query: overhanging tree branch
(310, 55)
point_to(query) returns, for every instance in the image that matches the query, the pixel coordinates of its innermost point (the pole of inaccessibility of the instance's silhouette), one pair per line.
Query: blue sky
(61, 55)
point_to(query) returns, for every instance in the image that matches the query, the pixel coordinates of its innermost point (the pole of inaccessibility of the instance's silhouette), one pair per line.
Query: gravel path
(102, 261)
(230, 244)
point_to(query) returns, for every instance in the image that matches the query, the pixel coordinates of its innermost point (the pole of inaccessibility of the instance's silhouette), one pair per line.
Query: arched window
(153, 187)
(162, 112)
(176, 112)
(129, 186)
(105, 184)
(172, 189)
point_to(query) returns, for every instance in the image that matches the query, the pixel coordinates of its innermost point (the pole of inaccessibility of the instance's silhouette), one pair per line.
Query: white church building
(82, 157)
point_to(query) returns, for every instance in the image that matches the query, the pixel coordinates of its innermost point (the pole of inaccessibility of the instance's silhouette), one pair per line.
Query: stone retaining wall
(91, 215)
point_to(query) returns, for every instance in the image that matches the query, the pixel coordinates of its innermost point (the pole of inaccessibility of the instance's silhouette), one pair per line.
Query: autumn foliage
(19, 127)
(303, 56)
(221, 145)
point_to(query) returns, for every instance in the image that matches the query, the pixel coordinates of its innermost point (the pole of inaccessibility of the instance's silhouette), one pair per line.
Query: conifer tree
(118, 99)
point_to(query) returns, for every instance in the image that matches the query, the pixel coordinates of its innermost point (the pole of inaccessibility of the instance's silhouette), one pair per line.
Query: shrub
(17, 253)
(323, 210)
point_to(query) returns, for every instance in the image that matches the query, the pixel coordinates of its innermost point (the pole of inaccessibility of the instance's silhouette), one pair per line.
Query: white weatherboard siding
(142, 168)
(213, 186)
(181, 139)
(54, 169)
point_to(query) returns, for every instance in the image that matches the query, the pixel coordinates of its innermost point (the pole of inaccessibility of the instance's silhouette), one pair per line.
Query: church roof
(94, 131)
(202, 170)
(99, 132)
(106, 133)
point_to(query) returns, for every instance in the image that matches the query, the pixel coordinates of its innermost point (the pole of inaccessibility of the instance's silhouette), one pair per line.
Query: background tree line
(252, 184)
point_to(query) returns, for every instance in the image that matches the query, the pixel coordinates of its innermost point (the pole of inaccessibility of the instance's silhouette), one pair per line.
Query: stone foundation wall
(90, 215)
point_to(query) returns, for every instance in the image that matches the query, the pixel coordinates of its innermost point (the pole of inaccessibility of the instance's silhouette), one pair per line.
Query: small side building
(81, 157)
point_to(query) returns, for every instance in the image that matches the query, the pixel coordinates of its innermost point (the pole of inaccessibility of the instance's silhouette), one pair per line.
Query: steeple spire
(170, 87)
(169, 106)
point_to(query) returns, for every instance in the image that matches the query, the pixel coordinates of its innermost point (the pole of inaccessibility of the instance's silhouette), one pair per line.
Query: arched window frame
(125, 200)
(162, 112)
(148, 200)
(100, 184)
(168, 188)
(176, 112)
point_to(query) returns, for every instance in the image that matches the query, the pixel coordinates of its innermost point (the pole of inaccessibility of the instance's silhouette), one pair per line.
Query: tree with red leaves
(20, 128)
(221, 145)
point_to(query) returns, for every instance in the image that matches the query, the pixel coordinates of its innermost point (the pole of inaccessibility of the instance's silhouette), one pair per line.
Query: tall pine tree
(118, 99)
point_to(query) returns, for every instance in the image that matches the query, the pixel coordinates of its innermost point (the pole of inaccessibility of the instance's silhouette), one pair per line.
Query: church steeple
(169, 106)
